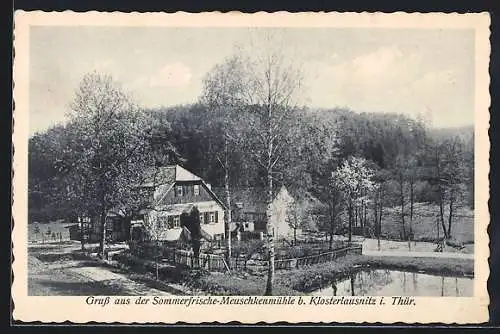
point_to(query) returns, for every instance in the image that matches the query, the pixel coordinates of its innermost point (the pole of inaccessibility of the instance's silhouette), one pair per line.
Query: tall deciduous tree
(110, 150)
(451, 172)
(334, 205)
(222, 94)
(295, 218)
(272, 85)
(268, 87)
(355, 178)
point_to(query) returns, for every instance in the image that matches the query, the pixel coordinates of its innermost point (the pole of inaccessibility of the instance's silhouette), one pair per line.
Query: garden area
(287, 282)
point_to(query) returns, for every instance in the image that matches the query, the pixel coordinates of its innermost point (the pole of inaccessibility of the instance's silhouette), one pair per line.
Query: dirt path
(419, 254)
(71, 277)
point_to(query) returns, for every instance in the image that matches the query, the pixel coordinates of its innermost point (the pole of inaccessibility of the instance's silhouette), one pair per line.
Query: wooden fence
(315, 259)
(212, 262)
(209, 262)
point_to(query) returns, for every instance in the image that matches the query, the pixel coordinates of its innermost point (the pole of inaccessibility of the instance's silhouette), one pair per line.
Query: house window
(212, 217)
(196, 190)
(170, 223)
(201, 218)
(177, 222)
(162, 222)
(178, 191)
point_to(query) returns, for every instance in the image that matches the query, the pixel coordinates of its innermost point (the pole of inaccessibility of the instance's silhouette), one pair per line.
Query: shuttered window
(216, 216)
(162, 222)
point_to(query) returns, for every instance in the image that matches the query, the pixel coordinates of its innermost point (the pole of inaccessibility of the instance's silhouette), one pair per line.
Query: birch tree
(269, 89)
(222, 89)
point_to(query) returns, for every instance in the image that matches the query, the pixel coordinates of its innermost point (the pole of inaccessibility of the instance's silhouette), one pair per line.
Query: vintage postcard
(307, 167)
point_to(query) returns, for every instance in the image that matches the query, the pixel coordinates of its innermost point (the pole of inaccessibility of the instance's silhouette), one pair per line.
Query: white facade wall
(171, 234)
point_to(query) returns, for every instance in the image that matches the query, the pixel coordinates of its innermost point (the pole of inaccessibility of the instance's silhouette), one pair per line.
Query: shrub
(223, 285)
(140, 265)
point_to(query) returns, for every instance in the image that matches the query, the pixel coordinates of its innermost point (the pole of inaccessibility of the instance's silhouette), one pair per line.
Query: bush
(139, 265)
(247, 248)
(223, 285)
(151, 250)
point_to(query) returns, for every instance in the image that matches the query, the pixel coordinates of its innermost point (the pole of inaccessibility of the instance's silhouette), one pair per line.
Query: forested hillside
(415, 163)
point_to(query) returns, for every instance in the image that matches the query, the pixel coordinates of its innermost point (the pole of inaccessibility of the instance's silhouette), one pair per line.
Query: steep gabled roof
(169, 175)
(182, 174)
(254, 199)
(156, 176)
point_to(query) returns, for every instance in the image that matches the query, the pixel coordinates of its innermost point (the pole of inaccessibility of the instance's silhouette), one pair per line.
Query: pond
(383, 282)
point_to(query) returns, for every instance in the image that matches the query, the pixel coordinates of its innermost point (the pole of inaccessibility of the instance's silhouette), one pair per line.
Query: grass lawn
(52, 227)
(219, 284)
(424, 223)
(300, 281)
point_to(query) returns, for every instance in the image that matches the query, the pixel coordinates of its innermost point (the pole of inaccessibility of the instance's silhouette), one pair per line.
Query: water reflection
(397, 283)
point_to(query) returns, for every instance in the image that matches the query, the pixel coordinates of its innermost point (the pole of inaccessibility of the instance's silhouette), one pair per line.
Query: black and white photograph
(252, 161)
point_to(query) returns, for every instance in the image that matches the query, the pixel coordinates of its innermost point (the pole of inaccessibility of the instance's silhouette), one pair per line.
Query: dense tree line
(248, 129)
(441, 167)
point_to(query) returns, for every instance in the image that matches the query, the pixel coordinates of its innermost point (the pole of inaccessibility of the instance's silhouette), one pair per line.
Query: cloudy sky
(367, 70)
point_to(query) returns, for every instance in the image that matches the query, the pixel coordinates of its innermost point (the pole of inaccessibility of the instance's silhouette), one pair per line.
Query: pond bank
(296, 281)
(313, 277)
(304, 280)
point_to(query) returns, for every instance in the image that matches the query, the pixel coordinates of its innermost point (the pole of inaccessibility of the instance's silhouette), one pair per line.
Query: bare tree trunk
(228, 204)
(378, 217)
(437, 229)
(364, 218)
(102, 225)
(270, 237)
(352, 284)
(441, 195)
(402, 203)
(356, 216)
(380, 224)
(450, 217)
(157, 258)
(350, 214)
(412, 182)
(441, 212)
(82, 233)
(375, 222)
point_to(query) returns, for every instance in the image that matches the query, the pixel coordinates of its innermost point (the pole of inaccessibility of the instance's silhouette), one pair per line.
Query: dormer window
(196, 190)
(178, 191)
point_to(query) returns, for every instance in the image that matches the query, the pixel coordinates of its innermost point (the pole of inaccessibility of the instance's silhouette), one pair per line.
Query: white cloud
(367, 79)
(377, 63)
(172, 75)
(386, 66)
